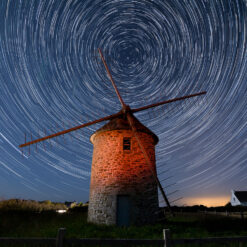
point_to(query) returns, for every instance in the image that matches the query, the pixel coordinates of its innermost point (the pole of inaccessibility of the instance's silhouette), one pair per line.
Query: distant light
(61, 211)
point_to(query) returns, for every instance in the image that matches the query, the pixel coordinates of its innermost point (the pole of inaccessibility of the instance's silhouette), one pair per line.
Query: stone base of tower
(102, 209)
(106, 209)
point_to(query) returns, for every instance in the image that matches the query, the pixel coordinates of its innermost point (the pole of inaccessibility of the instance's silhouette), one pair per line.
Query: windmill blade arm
(167, 101)
(71, 129)
(111, 79)
(132, 125)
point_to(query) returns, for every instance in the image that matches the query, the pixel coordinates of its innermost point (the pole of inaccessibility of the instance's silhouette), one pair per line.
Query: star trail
(52, 78)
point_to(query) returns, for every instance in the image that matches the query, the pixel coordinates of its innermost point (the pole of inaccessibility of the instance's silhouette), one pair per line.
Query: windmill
(124, 180)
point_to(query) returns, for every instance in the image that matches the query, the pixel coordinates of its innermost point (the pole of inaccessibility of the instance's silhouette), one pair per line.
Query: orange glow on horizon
(206, 201)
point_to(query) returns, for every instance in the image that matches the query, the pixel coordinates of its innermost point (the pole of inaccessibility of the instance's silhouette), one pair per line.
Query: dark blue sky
(51, 78)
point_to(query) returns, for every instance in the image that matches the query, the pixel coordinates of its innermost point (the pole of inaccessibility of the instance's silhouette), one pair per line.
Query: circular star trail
(52, 78)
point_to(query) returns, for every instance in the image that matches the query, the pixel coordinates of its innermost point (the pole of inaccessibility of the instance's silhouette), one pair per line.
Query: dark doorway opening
(123, 210)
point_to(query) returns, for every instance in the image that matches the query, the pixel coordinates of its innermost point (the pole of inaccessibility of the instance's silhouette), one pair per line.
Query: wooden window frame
(127, 143)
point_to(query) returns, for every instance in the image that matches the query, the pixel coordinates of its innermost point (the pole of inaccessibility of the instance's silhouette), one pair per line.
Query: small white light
(61, 211)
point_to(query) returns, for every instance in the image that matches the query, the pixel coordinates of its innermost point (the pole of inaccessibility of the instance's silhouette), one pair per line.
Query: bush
(79, 208)
(29, 205)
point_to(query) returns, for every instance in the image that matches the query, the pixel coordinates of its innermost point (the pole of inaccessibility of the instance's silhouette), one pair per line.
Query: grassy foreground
(46, 223)
(20, 219)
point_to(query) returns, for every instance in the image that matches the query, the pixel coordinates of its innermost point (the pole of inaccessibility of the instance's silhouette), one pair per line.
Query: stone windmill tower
(123, 189)
(124, 183)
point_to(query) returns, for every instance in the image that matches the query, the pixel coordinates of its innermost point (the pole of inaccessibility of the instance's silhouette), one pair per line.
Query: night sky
(52, 78)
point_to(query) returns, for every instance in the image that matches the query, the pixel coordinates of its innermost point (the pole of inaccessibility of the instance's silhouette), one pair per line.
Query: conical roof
(121, 123)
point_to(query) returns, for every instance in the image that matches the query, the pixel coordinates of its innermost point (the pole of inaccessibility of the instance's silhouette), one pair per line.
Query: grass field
(31, 223)
(46, 224)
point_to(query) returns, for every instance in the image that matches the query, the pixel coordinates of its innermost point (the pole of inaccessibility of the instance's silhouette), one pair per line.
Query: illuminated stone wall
(122, 172)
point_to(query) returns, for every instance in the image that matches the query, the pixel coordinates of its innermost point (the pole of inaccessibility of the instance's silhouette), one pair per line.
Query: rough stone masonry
(117, 172)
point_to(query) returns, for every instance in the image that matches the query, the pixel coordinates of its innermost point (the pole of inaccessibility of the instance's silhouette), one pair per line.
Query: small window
(126, 143)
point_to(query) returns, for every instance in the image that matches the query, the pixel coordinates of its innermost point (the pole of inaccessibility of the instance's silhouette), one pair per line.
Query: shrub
(29, 205)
